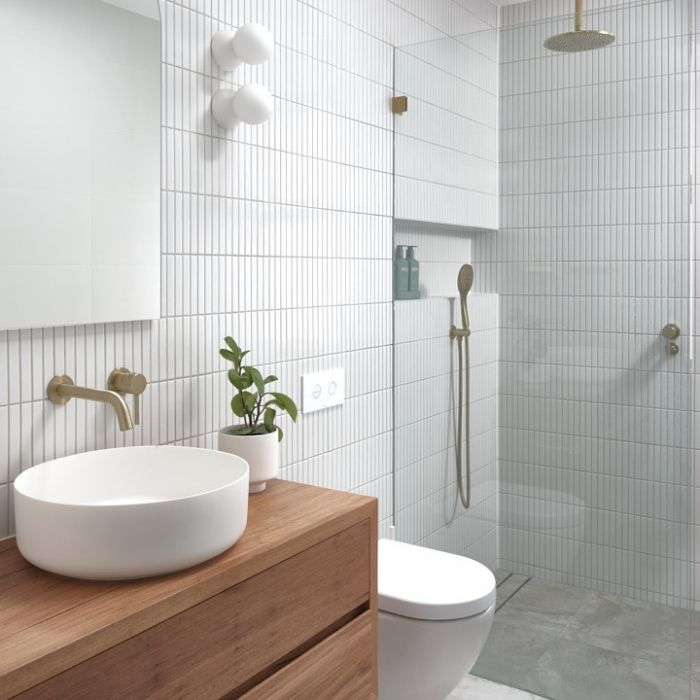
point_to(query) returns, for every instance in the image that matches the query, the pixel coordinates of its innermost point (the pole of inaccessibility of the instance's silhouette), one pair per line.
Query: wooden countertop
(49, 623)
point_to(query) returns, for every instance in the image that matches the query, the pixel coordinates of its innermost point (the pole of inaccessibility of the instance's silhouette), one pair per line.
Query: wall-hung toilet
(435, 613)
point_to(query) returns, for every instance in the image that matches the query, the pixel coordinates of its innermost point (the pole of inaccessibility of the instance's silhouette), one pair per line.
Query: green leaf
(227, 355)
(243, 354)
(244, 430)
(286, 403)
(269, 419)
(249, 400)
(237, 406)
(270, 378)
(255, 375)
(243, 403)
(241, 383)
(280, 434)
(233, 345)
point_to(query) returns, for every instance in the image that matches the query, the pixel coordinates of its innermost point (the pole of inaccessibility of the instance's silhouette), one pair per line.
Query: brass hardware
(52, 390)
(61, 389)
(459, 332)
(399, 104)
(578, 23)
(671, 331)
(124, 381)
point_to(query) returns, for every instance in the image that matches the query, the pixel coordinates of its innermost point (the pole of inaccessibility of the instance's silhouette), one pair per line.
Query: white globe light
(253, 104)
(253, 43)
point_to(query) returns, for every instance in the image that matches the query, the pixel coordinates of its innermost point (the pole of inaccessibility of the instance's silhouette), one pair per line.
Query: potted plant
(256, 439)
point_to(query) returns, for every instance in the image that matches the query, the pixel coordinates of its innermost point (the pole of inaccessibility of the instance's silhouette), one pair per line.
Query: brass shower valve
(671, 331)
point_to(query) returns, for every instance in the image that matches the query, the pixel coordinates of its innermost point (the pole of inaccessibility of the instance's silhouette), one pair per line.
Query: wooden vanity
(289, 612)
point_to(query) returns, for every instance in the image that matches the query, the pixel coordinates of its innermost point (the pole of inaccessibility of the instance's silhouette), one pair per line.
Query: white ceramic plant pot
(262, 453)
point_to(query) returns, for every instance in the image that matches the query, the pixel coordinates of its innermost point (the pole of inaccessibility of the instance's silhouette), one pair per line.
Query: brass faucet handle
(124, 381)
(671, 331)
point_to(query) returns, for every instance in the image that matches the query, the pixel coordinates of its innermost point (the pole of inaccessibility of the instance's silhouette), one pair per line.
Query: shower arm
(578, 23)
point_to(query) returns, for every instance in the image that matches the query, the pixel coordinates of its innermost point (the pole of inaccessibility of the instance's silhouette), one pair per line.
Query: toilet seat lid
(427, 584)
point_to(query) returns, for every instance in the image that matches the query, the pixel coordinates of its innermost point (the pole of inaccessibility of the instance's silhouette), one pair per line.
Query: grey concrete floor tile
(512, 653)
(695, 657)
(551, 598)
(658, 633)
(569, 643)
(544, 606)
(501, 575)
(509, 587)
(572, 671)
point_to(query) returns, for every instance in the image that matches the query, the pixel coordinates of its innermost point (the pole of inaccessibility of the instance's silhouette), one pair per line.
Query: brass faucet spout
(62, 389)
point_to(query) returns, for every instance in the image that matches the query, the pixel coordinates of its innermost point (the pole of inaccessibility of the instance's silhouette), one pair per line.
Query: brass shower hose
(465, 280)
(464, 494)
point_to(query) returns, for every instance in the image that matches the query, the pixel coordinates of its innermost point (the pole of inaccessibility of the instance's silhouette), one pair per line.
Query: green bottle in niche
(413, 273)
(401, 271)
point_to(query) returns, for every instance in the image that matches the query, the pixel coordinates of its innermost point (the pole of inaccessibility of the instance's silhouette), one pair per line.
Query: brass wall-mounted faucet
(61, 389)
(124, 381)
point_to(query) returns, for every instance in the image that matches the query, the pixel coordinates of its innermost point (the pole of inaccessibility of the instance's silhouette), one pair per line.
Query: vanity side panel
(245, 632)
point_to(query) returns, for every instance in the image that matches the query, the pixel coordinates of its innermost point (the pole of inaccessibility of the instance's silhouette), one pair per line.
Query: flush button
(322, 389)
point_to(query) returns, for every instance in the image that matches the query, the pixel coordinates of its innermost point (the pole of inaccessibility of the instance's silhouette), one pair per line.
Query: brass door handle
(124, 381)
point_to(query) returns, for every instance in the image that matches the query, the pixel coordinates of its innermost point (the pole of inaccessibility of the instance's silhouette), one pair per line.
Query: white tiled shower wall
(446, 143)
(425, 371)
(591, 261)
(279, 235)
(426, 400)
(446, 165)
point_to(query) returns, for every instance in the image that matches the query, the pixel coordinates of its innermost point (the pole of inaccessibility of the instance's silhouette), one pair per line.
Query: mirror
(79, 162)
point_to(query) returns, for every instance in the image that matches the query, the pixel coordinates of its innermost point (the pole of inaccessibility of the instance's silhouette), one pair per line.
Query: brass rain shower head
(580, 39)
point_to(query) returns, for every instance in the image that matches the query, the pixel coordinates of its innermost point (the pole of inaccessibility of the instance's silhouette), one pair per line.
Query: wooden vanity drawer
(238, 638)
(341, 667)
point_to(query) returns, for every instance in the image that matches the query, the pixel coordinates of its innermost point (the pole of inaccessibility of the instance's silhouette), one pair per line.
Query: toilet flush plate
(322, 389)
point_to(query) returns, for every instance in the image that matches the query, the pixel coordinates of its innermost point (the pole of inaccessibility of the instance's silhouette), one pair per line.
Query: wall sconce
(251, 104)
(252, 44)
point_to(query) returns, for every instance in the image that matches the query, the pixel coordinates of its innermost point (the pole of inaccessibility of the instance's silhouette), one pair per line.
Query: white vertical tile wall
(694, 106)
(446, 173)
(279, 235)
(446, 143)
(426, 401)
(591, 262)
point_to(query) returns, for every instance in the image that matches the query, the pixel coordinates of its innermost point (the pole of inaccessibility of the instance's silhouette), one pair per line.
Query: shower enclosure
(582, 405)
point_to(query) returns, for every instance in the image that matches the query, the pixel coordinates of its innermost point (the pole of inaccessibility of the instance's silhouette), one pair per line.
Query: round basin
(130, 512)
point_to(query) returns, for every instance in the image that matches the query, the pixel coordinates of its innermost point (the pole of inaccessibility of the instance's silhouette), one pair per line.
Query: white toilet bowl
(435, 613)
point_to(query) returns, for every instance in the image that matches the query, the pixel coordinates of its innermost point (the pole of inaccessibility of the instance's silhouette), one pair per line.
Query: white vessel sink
(130, 512)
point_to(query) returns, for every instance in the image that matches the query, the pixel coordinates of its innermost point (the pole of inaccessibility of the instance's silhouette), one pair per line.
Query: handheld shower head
(465, 280)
